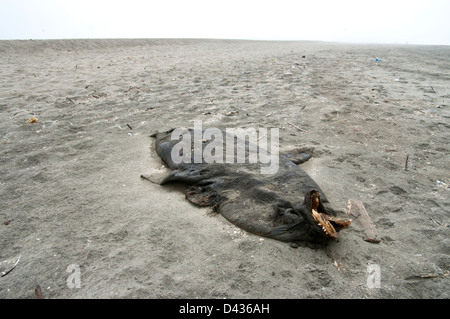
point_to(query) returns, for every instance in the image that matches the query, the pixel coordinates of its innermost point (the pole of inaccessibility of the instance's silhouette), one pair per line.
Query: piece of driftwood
(362, 221)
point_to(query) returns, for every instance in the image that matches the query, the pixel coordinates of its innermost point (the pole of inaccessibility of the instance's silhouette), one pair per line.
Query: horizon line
(406, 43)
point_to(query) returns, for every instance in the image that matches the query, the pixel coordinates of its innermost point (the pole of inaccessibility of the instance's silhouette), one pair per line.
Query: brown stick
(38, 292)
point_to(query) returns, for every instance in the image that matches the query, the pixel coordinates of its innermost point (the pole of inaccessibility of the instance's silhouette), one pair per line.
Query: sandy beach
(75, 124)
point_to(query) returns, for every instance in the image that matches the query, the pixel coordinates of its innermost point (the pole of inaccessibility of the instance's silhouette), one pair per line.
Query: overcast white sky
(376, 21)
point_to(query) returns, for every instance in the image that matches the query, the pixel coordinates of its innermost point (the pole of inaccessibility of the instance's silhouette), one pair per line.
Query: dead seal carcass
(286, 205)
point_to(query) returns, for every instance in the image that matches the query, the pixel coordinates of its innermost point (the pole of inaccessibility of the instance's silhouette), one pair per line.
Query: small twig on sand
(4, 273)
(298, 128)
(435, 221)
(432, 89)
(354, 286)
(438, 222)
(131, 88)
(406, 162)
(425, 276)
(430, 276)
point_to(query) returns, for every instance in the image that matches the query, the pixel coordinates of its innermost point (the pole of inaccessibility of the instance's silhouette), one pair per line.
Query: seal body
(286, 205)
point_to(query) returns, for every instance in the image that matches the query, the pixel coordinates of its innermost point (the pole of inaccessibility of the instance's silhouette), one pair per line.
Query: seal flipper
(299, 156)
(155, 178)
(185, 175)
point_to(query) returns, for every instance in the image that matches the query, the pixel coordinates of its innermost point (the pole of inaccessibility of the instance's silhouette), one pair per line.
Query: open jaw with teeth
(330, 225)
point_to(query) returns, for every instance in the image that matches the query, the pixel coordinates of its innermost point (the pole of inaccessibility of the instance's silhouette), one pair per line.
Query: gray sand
(70, 185)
